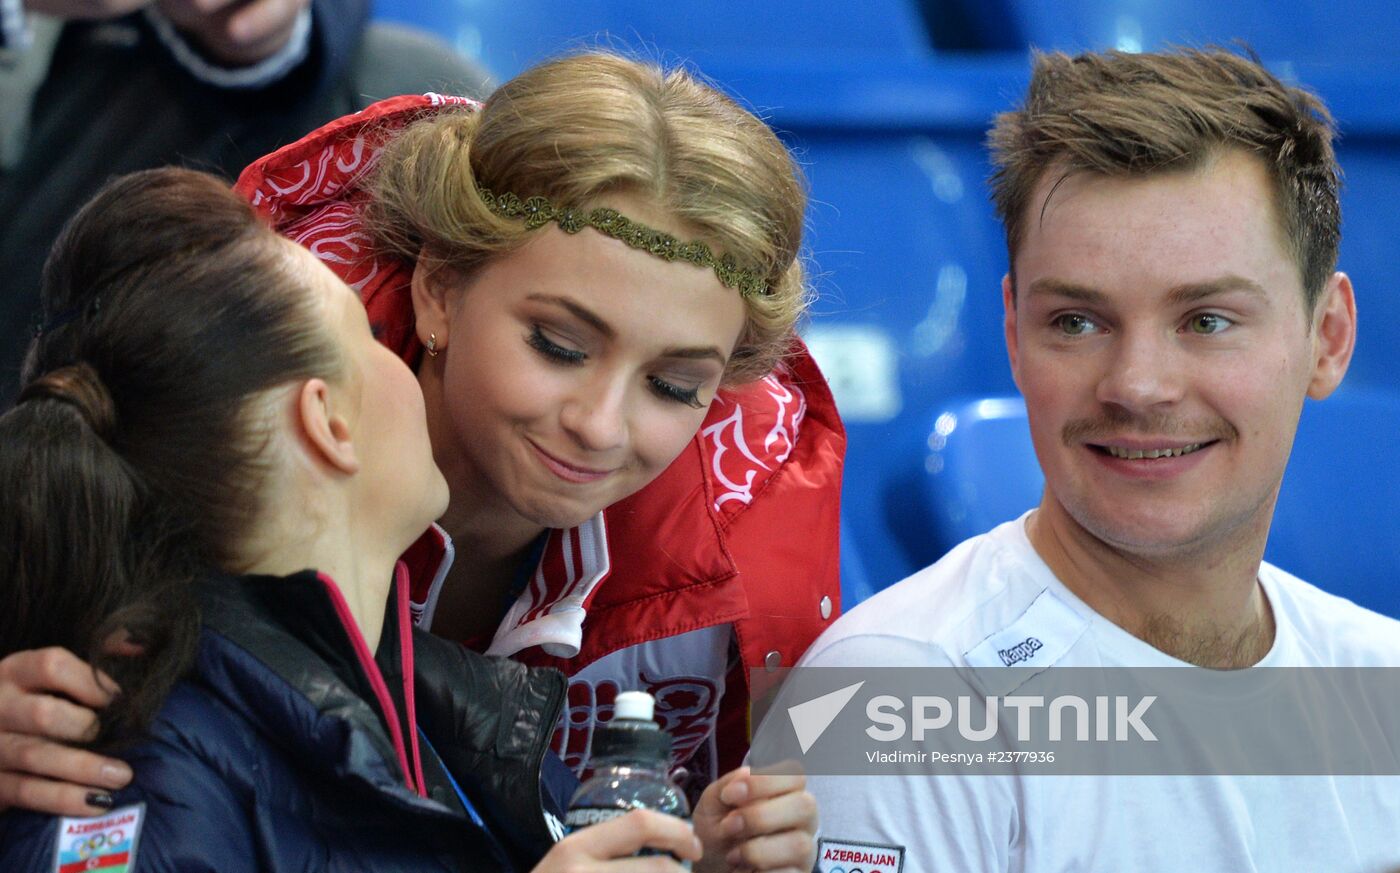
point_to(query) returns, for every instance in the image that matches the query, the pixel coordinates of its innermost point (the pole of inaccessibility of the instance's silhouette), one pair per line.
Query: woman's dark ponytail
(133, 461)
(88, 558)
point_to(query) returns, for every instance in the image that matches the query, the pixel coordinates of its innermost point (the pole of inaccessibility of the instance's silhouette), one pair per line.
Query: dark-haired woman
(596, 276)
(211, 433)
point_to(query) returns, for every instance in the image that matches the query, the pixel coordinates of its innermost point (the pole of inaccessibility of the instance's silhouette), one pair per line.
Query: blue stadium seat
(510, 35)
(1335, 523)
(1350, 29)
(981, 469)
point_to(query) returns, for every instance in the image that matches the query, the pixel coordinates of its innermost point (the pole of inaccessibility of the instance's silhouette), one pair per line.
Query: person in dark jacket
(208, 501)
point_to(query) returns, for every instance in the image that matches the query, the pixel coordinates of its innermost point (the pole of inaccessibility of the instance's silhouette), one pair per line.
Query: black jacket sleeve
(491, 721)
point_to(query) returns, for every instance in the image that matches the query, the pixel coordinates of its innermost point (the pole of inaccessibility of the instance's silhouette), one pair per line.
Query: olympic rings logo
(86, 847)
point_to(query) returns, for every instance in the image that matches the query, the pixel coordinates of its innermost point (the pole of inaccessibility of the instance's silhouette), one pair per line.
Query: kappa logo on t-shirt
(106, 842)
(1022, 651)
(1039, 637)
(853, 856)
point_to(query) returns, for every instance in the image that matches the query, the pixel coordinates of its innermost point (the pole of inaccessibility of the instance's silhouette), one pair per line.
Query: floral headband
(538, 211)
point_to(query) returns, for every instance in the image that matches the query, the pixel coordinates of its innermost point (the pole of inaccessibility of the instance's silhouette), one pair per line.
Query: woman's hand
(757, 822)
(47, 698)
(609, 847)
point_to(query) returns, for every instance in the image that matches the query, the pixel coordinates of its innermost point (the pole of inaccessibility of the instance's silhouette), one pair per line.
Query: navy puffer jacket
(288, 749)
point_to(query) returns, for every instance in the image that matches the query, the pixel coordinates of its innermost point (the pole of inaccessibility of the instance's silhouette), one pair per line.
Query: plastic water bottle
(632, 756)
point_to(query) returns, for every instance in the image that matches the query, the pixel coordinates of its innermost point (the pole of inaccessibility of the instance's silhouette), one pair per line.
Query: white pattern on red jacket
(655, 578)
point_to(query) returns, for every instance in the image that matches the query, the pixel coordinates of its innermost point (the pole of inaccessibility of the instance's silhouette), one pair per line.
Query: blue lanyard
(496, 848)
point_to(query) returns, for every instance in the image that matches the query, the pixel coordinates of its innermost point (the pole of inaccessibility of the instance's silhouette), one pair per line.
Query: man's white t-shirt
(993, 591)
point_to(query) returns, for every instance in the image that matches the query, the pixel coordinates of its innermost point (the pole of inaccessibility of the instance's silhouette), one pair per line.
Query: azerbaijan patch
(106, 842)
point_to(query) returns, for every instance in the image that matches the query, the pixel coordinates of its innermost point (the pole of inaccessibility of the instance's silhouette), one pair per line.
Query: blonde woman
(596, 278)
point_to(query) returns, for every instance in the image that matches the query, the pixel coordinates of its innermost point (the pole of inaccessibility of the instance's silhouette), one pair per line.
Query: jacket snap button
(826, 607)
(772, 661)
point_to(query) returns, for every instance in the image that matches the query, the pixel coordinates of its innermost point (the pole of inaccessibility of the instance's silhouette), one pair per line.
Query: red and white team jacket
(727, 563)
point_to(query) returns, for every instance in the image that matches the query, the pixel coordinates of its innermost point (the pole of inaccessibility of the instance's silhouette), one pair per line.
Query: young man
(1172, 222)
